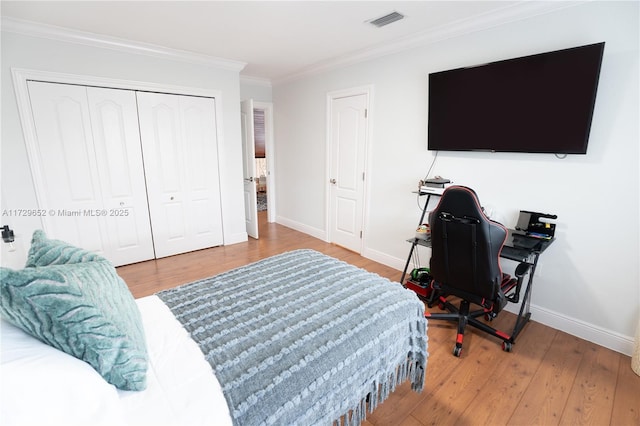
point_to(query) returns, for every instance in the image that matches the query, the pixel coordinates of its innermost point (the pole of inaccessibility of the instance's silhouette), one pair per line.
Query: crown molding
(506, 14)
(34, 29)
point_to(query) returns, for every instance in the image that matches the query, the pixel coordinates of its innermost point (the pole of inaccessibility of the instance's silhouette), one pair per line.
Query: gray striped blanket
(304, 339)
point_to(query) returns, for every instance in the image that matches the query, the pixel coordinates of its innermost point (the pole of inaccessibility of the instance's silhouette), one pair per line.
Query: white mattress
(41, 385)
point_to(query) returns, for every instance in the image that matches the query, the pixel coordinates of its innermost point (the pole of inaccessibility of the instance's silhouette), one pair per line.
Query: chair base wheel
(457, 351)
(507, 346)
(489, 317)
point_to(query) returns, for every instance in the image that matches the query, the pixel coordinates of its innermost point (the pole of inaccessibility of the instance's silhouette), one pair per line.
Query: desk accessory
(530, 224)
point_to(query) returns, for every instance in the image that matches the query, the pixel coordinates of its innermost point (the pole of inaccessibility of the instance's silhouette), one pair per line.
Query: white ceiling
(276, 39)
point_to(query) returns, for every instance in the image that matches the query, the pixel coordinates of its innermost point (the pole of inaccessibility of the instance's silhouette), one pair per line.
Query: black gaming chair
(465, 263)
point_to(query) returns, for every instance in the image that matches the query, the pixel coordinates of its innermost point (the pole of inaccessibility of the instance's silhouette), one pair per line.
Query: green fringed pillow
(82, 308)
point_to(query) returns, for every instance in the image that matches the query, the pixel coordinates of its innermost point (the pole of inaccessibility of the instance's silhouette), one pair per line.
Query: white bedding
(41, 385)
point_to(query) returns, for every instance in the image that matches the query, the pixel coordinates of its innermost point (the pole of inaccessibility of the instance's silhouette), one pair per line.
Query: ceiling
(276, 39)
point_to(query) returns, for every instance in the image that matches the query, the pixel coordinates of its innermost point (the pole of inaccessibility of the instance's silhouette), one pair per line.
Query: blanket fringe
(412, 370)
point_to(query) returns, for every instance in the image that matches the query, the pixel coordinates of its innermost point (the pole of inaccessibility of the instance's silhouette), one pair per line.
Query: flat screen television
(539, 104)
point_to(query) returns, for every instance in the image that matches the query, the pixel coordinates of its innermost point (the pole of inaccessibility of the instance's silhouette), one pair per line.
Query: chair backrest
(466, 247)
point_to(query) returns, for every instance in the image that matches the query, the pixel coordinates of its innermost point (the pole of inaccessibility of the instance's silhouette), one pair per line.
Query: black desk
(517, 247)
(520, 247)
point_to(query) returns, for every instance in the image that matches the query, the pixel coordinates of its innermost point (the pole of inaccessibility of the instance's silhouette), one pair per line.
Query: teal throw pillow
(84, 309)
(45, 251)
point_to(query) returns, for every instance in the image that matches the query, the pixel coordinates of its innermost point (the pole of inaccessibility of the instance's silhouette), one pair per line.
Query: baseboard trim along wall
(583, 330)
(314, 232)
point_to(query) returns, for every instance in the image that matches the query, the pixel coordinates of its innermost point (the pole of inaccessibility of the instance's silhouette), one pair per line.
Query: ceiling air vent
(386, 19)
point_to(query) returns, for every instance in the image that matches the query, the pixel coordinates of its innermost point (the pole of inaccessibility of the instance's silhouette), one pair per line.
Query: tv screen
(540, 103)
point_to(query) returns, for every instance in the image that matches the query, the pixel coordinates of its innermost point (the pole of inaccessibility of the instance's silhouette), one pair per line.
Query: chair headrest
(461, 201)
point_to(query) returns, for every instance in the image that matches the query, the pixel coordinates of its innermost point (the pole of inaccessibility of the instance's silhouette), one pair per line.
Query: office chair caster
(490, 316)
(457, 350)
(507, 346)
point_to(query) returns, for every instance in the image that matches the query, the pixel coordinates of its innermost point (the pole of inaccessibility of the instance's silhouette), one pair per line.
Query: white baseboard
(314, 232)
(385, 259)
(598, 335)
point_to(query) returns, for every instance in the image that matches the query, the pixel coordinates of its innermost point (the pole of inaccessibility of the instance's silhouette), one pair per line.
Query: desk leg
(525, 308)
(406, 265)
(413, 245)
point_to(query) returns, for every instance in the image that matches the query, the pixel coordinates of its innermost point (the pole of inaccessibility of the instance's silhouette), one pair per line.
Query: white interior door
(249, 168)
(348, 137)
(114, 122)
(267, 107)
(82, 150)
(179, 142)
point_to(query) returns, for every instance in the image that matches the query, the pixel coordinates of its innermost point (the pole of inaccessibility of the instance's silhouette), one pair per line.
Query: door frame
(368, 91)
(21, 76)
(269, 146)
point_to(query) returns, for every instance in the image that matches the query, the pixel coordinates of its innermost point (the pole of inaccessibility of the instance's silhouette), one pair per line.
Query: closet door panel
(63, 164)
(178, 136)
(203, 179)
(116, 137)
(159, 117)
(168, 152)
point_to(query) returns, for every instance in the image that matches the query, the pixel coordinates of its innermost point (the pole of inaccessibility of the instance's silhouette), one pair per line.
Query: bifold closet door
(179, 142)
(87, 167)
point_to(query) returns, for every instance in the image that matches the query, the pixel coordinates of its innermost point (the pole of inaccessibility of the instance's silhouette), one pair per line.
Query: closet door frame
(21, 76)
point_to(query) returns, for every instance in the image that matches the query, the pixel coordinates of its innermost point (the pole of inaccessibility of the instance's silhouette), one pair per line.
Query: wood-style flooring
(550, 377)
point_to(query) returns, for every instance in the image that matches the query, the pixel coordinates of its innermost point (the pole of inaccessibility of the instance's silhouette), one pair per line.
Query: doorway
(264, 130)
(258, 165)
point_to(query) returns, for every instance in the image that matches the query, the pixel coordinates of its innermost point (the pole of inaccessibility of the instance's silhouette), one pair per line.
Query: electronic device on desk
(531, 224)
(435, 185)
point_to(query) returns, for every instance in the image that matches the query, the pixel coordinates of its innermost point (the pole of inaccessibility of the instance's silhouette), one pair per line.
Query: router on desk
(437, 182)
(435, 185)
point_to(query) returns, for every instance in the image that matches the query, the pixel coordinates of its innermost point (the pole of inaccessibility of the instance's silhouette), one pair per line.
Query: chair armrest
(522, 269)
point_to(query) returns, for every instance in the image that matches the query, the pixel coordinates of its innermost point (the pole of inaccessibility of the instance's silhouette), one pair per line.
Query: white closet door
(88, 172)
(63, 164)
(179, 143)
(114, 120)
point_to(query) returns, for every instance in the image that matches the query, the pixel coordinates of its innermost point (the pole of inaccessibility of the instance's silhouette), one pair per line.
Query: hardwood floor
(550, 377)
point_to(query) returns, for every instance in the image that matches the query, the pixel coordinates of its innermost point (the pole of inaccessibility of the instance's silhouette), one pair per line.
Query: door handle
(249, 179)
(332, 181)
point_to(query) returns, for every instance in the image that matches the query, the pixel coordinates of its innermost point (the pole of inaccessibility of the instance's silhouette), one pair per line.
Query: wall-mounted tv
(540, 103)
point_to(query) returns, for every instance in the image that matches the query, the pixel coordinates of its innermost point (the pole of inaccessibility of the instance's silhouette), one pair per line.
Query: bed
(297, 338)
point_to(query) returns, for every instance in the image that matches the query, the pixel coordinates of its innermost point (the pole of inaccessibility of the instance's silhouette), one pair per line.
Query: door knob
(333, 181)
(249, 179)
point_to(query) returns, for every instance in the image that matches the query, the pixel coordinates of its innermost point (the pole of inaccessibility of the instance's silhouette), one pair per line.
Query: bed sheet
(40, 385)
(181, 386)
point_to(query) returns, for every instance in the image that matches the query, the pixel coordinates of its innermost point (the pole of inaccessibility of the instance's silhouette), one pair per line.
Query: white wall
(588, 281)
(35, 53)
(256, 89)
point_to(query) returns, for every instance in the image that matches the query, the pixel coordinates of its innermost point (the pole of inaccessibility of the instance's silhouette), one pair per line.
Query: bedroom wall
(257, 89)
(587, 283)
(36, 53)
